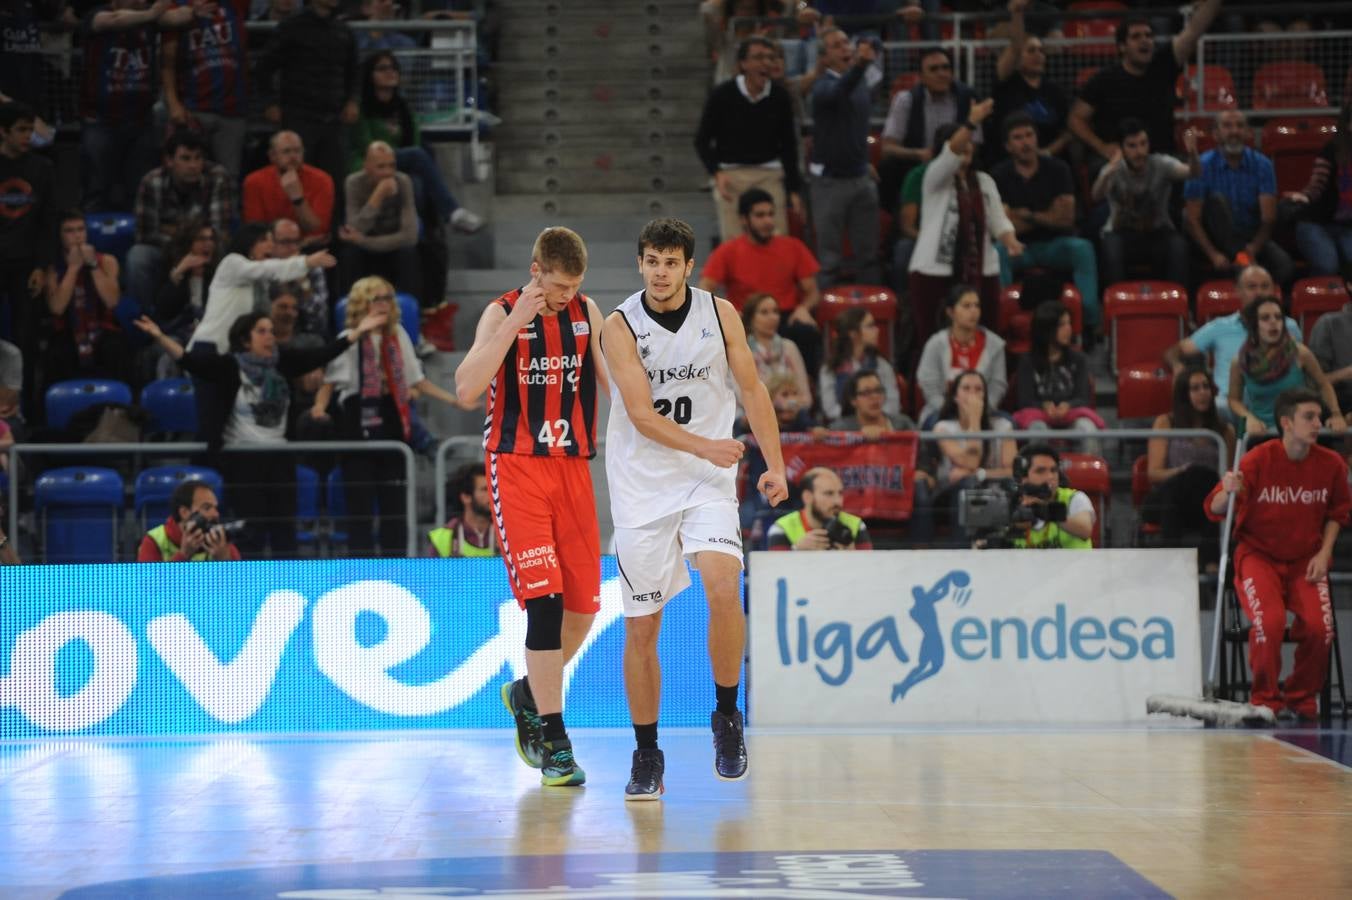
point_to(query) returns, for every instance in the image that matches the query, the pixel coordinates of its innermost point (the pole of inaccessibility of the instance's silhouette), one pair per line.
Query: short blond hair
(359, 301)
(560, 249)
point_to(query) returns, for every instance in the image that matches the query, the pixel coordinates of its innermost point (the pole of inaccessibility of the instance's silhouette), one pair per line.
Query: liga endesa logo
(834, 650)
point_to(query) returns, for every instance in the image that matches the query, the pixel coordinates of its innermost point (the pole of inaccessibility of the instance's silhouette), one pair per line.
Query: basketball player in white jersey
(678, 356)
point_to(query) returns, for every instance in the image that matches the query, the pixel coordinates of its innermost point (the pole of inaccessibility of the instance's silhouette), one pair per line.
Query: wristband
(969, 125)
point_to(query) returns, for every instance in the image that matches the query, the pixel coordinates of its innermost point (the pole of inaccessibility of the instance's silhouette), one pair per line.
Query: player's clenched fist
(723, 453)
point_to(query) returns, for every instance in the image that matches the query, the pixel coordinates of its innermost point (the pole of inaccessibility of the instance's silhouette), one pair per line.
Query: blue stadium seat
(66, 398)
(307, 504)
(409, 316)
(154, 487)
(171, 405)
(335, 498)
(127, 312)
(112, 233)
(78, 510)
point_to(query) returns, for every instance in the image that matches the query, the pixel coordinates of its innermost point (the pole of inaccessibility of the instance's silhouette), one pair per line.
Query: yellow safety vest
(794, 529)
(168, 549)
(444, 541)
(1052, 536)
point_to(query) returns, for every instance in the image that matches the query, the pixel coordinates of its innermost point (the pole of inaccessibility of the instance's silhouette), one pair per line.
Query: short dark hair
(667, 234)
(750, 198)
(249, 233)
(14, 112)
(182, 496)
(744, 48)
(69, 214)
(1287, 401)
(1131, 125)
(1124, 27)
(927, 52)
(850, 392)
(1019, 119)
(242, 327)
(185, 138)
(1038, 448)
(462, 483)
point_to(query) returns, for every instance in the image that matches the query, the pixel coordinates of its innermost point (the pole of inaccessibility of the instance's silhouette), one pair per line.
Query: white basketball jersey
(691, 385)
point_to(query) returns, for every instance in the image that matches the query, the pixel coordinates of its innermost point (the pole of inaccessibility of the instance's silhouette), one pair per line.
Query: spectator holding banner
(193, 531)
(822, 523)
(1291, 499)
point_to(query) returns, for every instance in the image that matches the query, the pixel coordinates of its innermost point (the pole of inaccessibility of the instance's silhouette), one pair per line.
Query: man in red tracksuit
(1291, 498)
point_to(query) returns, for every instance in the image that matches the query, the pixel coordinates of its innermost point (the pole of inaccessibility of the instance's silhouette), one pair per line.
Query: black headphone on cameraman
(1024, 461)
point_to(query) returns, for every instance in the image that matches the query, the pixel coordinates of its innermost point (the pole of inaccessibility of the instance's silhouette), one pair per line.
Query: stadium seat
(171, 405)
(66, 398)
(1144, 390)
(127, 311)
(1089, 473)
(879, 301)
(154, 487)
(1312, 297)
(1145, 318)
(1103, 29)
(1015, 322)
(78, 509)
(1292, 84)
(112, 233)
(410, 316)
(1215, 299)
(1215, 83)
(1083, 75)
(1140, 489)
(1292, 145)
(335, 499)
(307, 505)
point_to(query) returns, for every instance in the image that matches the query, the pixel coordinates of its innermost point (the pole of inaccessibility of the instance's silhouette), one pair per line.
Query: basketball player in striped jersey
(537, 353)
(678, 357)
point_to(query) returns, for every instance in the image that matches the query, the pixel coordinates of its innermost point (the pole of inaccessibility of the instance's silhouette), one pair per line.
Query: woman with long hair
(969, 462)
(774, 355)
(194, 254)
(1054, 390)
(1272, 361)
(385, 115)
(961, 344)
(1324, 232)
(855, 347)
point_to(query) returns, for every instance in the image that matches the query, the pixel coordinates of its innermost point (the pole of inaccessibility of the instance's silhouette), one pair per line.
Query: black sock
(551, 727)
(646, 736)
(525, 689)
(727, 699)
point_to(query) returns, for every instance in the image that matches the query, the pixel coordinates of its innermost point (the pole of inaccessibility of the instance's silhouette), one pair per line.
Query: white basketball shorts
(652, 557)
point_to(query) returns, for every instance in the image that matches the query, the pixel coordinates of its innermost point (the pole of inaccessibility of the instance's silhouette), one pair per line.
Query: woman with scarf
(960, 212)
(774, 355)
(376, 379)
(1272, 361)
(82, 292)
(249, 407)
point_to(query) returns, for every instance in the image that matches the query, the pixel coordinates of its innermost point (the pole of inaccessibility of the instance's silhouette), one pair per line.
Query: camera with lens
(205, 525)
(838, 533)
(997, 514)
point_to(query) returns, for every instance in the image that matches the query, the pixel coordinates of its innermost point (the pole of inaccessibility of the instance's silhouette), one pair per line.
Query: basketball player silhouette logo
(931, 656)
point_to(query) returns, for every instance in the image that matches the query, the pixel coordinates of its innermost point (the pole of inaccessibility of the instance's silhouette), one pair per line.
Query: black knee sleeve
(544, 623)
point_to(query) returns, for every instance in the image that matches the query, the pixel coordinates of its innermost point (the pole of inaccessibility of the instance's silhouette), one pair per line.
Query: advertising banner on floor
(956, 636)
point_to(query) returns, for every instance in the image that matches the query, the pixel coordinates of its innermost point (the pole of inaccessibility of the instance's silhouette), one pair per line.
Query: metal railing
(472, 447)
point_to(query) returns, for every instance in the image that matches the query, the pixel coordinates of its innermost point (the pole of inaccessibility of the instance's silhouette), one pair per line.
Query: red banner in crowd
(878, 474)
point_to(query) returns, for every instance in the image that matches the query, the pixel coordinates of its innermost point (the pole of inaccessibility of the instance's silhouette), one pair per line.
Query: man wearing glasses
(915, 116)
(312, 291)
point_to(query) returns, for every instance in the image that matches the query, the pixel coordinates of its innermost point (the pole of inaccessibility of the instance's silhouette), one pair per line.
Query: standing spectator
(822, 494)
(310, 290)
(844, 195)
(780, 265)
(192, 533)
(1270, 362)
(746, 139)
(908, 228)
(248, 407)
(1324, 232)
(775, 356)
(375, 379)
(386, 116)
(23, 76)
(1331, 343)
(969, 462)
(855, 348)
(960, 213)
(1283, 550)
(206, 78)
(373, 37)
(1039, 196)
(962, 345)
(1182, 471)
(381, 234)
(184, 189)
(469, 531)
(1054, 390)
(915, 117)
(1139, 86)
(82, 293)
(1230, 209)
(194, 254)
(26, 229)
(1137, 185)
(308, 78)
(288, 188)
(1022, 86)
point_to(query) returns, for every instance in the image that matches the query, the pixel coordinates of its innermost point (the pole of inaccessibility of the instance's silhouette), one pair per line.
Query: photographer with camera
(192, 533)
(1055, 517)
(822, 523)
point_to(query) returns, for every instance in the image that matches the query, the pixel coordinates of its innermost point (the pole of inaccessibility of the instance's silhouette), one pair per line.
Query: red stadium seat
(1312, 297)
(1082, 77)
(1215, 82)
(879, 301)
(1140, 489)
(1292, 145)
(1215, 299)
(1144, 390)
(1145, 318)
(1089, 473)
(1095, 28)
(1014, 323)
(1289, 85)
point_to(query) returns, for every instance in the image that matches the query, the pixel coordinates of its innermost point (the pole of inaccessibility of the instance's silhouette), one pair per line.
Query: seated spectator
(82, 293)
(386, 116)
(793, 408)
(183, 189)
(302, 423)
(1041, 466)
(960, 213)
(1270, 362)
(855, 348)
(1138, 185)
(1183, 472)
(1054, 389)
(1022, 86)
(193, 531)
(193, 255)
(821, 523)
(969, 462)
(1324, 230)
(247, 408)
(374, 379)
(1331, 343)
(312, 290)
(206, 75)
(761, 261)
(861, 407)
(774, 355)
(1230, 210)
(11, 388)
(371, 37)
(381, 234)
(1038, 193)
(962, 345)
(469, 531)
(239, 285)
(288, 188)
